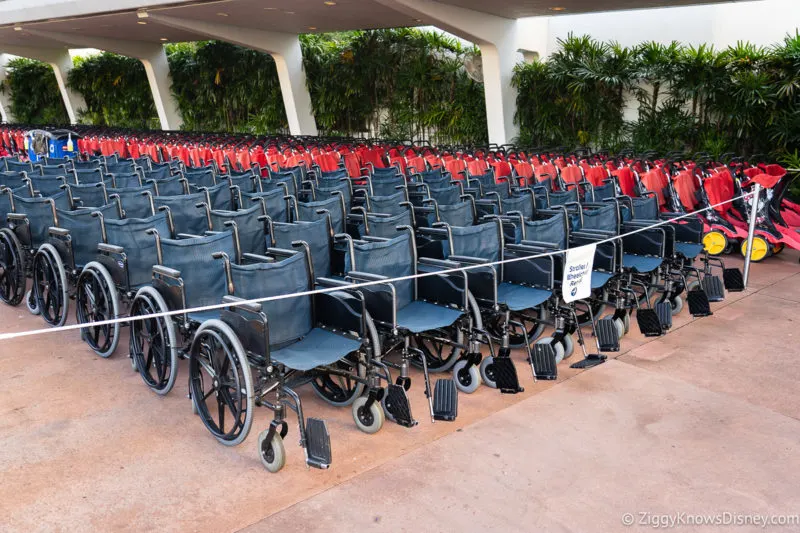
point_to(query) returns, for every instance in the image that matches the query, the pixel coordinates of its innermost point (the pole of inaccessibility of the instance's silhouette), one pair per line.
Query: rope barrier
(120, 320)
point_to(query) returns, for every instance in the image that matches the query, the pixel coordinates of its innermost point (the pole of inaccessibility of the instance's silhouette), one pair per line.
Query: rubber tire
(676, 304)
(34, 310)
(778, 248)
(114, 304)
(152, 293)
(278, 452)
(569, 346)
(627, 323)
(62, 273)
(558, 347)
(226, 331)
(487, 380)
(19, 293)
(473, 374)
(620, 327)
(692, 285)
(378, 416)
(762, 242)
(724, 241)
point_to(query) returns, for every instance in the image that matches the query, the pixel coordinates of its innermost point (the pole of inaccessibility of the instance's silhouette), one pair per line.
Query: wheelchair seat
(519, 297)
(419, 316)
(202, 316)
(640, 263)
(599, 279)
(689, 250)
(319, 347)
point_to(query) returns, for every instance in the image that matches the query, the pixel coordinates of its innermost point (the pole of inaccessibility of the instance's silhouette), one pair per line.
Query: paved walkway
(703, 420)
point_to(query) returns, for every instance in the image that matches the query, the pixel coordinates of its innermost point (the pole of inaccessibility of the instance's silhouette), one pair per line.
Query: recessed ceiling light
(17, 28)
(289, 12)
(270, 8)
(142, 14)
(312, 28)
(222, 14)
(329, 3)
(141, 22)
(558, 9)
(164, 39)
(417, 20)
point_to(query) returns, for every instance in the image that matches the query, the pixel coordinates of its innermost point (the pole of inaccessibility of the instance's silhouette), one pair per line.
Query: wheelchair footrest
(713, 288)
(445, 400)
(648, 321)
(505, 375)
(734, 281)
(607, 335)
(592, 359)
(398, 405)
(544, 362)
(664, 312)
(318, 443)
(698, 303)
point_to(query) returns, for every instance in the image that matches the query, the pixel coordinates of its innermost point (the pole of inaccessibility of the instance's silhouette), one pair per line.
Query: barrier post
(751, 231)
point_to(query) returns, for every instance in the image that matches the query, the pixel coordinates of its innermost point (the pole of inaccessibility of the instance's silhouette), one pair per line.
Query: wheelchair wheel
(272, 453)
(533, 325)
(468, 378)
(677, 305)
(96, 300)
(12, 268)
(619, 325)
(368, 420)
(153, 344)
(440, 354)
(341, 391)
(30, 303)
(569, 346)
(220, 382)
(595, 304)
(50, 285)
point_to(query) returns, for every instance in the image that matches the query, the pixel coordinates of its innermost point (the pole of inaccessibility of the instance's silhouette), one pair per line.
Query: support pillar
(60, 60)
(497, 39)
(5, 98)
(153, 57)
(284, 49)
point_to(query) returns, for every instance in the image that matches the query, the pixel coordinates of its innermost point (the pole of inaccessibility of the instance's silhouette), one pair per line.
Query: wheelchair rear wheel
(50, 285)
(531, 319)
(220, 382)
(12, 268)
(96, 300)
(153, 343)
(341, 391)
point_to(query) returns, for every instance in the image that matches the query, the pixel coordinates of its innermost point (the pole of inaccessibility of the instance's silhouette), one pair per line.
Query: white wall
(762, 22)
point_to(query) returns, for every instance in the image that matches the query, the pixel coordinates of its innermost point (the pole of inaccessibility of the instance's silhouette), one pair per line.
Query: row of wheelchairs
(333, 232)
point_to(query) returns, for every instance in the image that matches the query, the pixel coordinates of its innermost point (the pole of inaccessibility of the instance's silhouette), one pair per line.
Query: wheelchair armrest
(380, 299)
(187, 236)
(256, 258)
(110, 248)
(328, 282)
(539, 244)
(365, 276)
(58, 232)
(469, 260)
(433, 232)
(536, 271)
(341, 311)
(448, 289)
(20, 217)
(280, 252)
(443, 263)
(167, 272)
(237, 302)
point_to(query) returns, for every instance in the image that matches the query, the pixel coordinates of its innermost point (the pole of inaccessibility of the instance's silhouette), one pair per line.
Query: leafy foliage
(35, 98)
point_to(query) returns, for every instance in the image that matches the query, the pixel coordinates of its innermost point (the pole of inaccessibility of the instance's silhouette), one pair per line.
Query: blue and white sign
(577, 282)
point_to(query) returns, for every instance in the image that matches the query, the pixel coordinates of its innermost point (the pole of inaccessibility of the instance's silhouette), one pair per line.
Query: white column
(5, 98)
(60, 60)
(152, 56)
(284, 49)
(497, 39)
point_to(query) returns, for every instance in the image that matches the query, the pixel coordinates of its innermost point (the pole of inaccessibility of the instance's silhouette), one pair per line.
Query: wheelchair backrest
(85, 165)
(246, 182)
(386, 186)
(278, 180)
(85, 230)
(483, 241)
(186, 216)
(276, 205)
(457, 215)
(289, 319)
(39, 213)
(12, 179)
(308, 211)
(83, 176)
(121, 167)
(333, 174)
(316, 234)
(47, 185)
(200, 178)
(524, 203)
(552, 228)
(446, 195)
(563, 197)
(252, 236)
(645, 208)
(603, 218)
(127, 180)
(18, 165)
(159, 173)
(603, 192)
(392, 258)
(389, 205)
(134, 203)
(140, 248)
(172, 186)
(51, 170)
(432, 176)
(388, 172)
(90, 194)
(385, 227)
(203, 284)
(343, 187)
(220, 195)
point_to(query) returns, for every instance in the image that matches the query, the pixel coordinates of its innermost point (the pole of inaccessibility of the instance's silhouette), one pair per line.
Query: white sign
(577, 283)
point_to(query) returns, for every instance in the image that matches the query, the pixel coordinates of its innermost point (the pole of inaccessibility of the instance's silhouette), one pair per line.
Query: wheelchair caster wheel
(627, 323)
(677, 305)
(133, 363)
(558, 347)
(620, 326)
(468, 378)
(368, 420)
(569, 346)
(272, 454)
(195, 411)
(487, 372)
(30, 303)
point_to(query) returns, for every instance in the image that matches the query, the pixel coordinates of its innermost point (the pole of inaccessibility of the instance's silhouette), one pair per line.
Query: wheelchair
(258, 354)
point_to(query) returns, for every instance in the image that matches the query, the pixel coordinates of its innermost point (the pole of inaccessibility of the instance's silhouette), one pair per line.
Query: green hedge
(408, 83)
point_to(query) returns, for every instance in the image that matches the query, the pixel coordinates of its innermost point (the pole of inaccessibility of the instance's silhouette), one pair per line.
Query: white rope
(119, 320)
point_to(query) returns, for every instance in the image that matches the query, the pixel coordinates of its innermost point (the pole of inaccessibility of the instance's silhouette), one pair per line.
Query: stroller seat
(319, 347)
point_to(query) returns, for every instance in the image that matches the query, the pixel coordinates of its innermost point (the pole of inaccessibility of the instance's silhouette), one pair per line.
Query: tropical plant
(35, 98)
